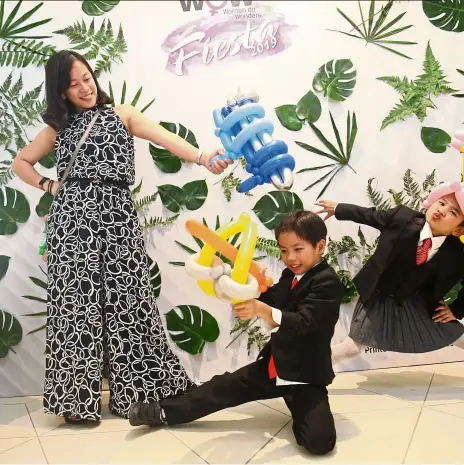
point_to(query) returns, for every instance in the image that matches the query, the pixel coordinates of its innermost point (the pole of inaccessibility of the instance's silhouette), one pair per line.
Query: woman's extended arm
(140, 126)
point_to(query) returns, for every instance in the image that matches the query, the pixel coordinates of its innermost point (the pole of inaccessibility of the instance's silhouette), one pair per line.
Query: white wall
(190, 100)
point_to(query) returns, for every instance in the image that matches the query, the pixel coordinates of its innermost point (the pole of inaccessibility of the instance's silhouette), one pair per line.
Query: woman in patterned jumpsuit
(99, 292)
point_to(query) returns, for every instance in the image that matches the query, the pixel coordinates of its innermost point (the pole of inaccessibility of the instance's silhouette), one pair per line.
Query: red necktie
(423, 251)
(271, 367)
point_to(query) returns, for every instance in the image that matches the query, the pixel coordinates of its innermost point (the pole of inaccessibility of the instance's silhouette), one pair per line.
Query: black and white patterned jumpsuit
(98, 282)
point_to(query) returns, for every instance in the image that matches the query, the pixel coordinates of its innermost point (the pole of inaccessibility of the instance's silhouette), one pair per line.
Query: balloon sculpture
(232, 284)
(243, 130)
(458, 143)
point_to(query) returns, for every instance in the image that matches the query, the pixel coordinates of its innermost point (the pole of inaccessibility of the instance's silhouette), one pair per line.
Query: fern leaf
(269, 246)
(145, 201)
(402, 86)
(158, 222)
(376, 198)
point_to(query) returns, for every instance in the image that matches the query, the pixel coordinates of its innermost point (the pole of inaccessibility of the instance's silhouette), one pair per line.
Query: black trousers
(313, 423)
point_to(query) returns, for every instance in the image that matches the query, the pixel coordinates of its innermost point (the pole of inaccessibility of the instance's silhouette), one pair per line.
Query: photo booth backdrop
(370, 88)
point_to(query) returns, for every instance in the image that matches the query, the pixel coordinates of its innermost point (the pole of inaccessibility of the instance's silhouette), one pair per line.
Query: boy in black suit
(303, 308)
(418, 260)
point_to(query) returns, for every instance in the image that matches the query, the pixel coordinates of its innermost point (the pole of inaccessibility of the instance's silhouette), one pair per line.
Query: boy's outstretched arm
(377, 219)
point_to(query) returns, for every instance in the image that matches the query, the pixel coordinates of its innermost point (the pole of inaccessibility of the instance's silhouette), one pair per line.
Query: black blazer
(396, 225)
(301, 346)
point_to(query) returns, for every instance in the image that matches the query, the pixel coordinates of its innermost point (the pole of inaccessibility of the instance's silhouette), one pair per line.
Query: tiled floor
(402, 415)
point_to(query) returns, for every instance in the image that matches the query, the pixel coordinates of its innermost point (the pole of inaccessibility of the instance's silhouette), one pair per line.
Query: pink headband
(444, 189)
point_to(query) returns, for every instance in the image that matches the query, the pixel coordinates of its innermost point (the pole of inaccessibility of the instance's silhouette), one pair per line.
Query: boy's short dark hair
(305, 224)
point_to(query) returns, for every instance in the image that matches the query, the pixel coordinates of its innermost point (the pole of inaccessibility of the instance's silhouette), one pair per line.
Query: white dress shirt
(437, 241)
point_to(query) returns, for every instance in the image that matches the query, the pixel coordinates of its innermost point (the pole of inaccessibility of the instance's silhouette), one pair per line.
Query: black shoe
(142, 413)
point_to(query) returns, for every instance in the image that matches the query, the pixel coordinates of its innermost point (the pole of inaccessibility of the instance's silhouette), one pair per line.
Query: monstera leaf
(98, 7)
(11, 333)
(49, 161)
(435, 139)
(447, 15)
(336, 79)
(155, 277)
(272, 207)
(44, 205)
(190, 328)
(4, 263)
(14, 208)
(165, 160)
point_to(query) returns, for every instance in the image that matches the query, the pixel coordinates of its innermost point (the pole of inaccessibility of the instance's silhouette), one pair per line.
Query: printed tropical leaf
(43, 207)
(191, 196)
(135, 100)
(4, 263)
(11, 333)
(447, 15)
(412, 195)
(435, 139)
(336, 79)
(288, 117)
(309, 107)
(49, 161)
(341, 156)
(18, 111)
(98, 7)
(43, 300)
(100, 45)
(17, 49)
(190, 327)
(460, 71)
(6, 173)
(166, 161)
(453, 294)
(272, 207)
(155, 277)
(14, 209)
(416, 94)
(377, 32)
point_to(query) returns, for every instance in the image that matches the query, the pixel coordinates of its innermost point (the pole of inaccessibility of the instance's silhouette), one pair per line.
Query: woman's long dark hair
(57, 80)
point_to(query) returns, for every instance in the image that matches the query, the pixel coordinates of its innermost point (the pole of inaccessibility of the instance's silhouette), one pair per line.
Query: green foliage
(273, 206)
(100, 45)
(4, 264)
(256, 336)
(18, 111)
(11, 333)
(14, 209)
(461, 72)
(348, 253)
(20, 50)
(157, 222)
(155, 277)
(340, 156)
(412, 195)
(42, 285)
(269, 246)
(336, 79)
(447, 15)
(98, 7)
(435, 139)
(307, 109)
(166, 161)
(6, 174)
(192, 328)
(416, 94)
(377, 32)
(135, 100)
(144, 202)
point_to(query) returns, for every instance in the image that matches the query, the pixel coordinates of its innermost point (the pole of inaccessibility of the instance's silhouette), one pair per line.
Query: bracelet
(50, 186)
(43, 181)
(200, 153)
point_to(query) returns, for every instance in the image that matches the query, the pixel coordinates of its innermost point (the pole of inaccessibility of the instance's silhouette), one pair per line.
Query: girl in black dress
(418, 260)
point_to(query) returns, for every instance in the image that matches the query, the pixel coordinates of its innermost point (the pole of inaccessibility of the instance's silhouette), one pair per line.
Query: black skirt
(401, 325)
